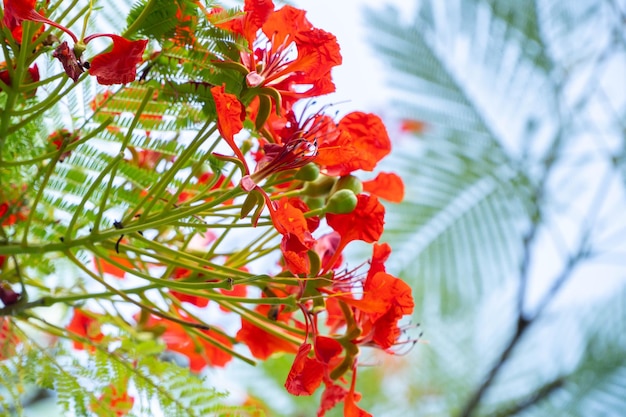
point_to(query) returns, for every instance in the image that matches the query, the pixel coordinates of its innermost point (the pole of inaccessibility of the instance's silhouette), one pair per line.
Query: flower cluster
(284, 166)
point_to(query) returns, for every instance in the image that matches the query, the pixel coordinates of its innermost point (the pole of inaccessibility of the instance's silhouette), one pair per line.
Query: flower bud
(314, 203)
(342, 202)
(320, 187)
(309, 172)
(348, 182)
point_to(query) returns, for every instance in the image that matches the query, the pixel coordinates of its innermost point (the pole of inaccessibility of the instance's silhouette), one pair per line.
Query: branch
(532, 399)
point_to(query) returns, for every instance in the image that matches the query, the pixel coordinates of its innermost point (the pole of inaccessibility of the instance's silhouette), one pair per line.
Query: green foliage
(73, 196)
(79, 381)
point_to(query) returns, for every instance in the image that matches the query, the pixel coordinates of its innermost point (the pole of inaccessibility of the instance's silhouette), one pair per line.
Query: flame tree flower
(285, 52)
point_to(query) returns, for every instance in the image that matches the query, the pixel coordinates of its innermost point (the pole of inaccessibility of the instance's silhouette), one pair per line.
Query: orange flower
(385, 300)
(186, 23)
(288, 217)
(386, 185)
(350, 408)
(412, 126)
(85, 325)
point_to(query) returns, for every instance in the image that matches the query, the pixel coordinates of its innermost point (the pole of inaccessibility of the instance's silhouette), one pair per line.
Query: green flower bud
(309, 172)
(348, 182)
(342, 202)
(314, 203)
(320, 187)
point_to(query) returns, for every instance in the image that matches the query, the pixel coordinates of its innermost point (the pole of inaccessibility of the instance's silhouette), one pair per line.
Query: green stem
(122, 294)
(42, 187)
(96, 183)
(178, 285)
(8, 248)
(48, 301)
(273, 327)
(147, 97)
(49, 101)
(69, 147)
(161, 251)
(168, 176)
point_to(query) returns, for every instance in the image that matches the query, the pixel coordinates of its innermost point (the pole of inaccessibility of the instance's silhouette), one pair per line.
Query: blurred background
(509, 121)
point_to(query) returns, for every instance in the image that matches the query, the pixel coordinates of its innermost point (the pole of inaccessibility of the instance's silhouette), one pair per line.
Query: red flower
(32, 77)
(16, 11)
(361, 142)
(12, 211)
(388, 186)
(333, 394)
(229, 119)
(364, 223)
(296, 59)
(85, 325)
(200, 351)
(261, 343)
(294, 145)
(119, 65)
(306, 374)
(61, 137)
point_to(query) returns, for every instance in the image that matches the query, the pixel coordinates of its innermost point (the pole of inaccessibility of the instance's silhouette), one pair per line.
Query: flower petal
(229, 120)
(386, 185)
(365, 223)
(306, 374)
(362, 142)
(119, 65)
